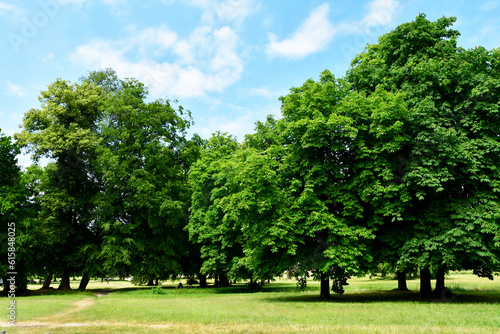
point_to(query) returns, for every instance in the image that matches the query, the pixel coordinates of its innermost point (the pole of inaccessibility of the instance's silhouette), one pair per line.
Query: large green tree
(64, 130)
(450, 167)
(143, 161)
(12, 234)
(221, 244)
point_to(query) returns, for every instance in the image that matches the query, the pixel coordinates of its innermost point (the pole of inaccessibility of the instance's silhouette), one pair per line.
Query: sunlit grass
(368, 306)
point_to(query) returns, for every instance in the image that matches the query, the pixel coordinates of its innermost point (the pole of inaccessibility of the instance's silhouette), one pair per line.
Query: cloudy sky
(227, 61)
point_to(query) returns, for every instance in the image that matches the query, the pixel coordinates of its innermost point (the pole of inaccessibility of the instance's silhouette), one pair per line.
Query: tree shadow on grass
(464, 297)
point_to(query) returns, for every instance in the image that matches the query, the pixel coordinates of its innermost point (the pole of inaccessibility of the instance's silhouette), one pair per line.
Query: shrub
(158, 290)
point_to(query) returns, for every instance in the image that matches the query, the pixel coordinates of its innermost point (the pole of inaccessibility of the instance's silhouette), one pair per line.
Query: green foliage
(302, 282)
(143, 163)
(339, 280)
(158, 290)
(207, 226)
(447, 175)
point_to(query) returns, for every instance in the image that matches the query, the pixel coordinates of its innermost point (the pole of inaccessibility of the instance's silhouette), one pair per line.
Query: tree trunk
(65, 282)
(224, 280)
(83, 283)
(203, 280)
(439, 282)
(151, 282)
(157, 281)
(325, 286)
(425, 283)
(48, 279)
(402, 281)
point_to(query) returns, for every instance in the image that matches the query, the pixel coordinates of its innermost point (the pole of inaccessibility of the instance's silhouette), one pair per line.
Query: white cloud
(312, 36)
(10, 10)
(225, 11)
(6, 7)
(205, 62)
(13, 89)
(238, 125)
(65, 2)
(381, 12)
(316, 32)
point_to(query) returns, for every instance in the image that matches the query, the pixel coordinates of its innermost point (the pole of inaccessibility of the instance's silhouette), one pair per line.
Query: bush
(158, 290)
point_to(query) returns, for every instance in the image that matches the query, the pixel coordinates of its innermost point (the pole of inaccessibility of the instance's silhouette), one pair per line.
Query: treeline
(397, 164)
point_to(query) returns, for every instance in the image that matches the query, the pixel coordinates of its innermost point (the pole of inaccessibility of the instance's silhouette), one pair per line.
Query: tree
(64, 129)
(288, 194)
(143, 162)
(220, 242)
(12, 200)
(329, 222)
(449, 167)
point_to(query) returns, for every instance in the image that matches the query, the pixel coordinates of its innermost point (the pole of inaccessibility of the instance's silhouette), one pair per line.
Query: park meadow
(369, 305)
(392, 168)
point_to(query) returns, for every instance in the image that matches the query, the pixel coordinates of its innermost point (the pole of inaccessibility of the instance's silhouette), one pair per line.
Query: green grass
(368, 306)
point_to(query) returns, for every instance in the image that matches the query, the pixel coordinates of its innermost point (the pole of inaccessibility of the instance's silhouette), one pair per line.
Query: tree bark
(325, 286)
(439, 282)
(203, 280)
(84, 282)
(48, 280)
(151, 282)
(224, 280)
(157, 281)
(65, 282)
(402, 281)
(425, 283)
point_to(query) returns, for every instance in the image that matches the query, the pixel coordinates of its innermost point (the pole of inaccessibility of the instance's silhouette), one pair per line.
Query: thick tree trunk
(157, 281)
(325, 286)
(48, 280)
(402, 281)
(151, 282)
(203, 280)
(439, 282)
(425, 283)
(84, 282)
(65, 282)
(224, 280)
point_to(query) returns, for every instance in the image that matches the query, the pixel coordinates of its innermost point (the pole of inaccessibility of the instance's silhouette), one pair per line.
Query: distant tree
(221, 248)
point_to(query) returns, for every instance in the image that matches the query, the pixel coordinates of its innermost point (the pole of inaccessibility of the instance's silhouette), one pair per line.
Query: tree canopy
(394, 164)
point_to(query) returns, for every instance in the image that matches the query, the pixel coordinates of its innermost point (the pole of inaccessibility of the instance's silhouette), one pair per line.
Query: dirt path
(103, 293)
(59, 318)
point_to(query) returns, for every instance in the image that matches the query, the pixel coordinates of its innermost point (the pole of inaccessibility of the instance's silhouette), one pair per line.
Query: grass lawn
(368, 306)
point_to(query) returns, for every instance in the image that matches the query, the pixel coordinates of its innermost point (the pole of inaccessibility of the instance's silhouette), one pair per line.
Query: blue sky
(227, 61)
